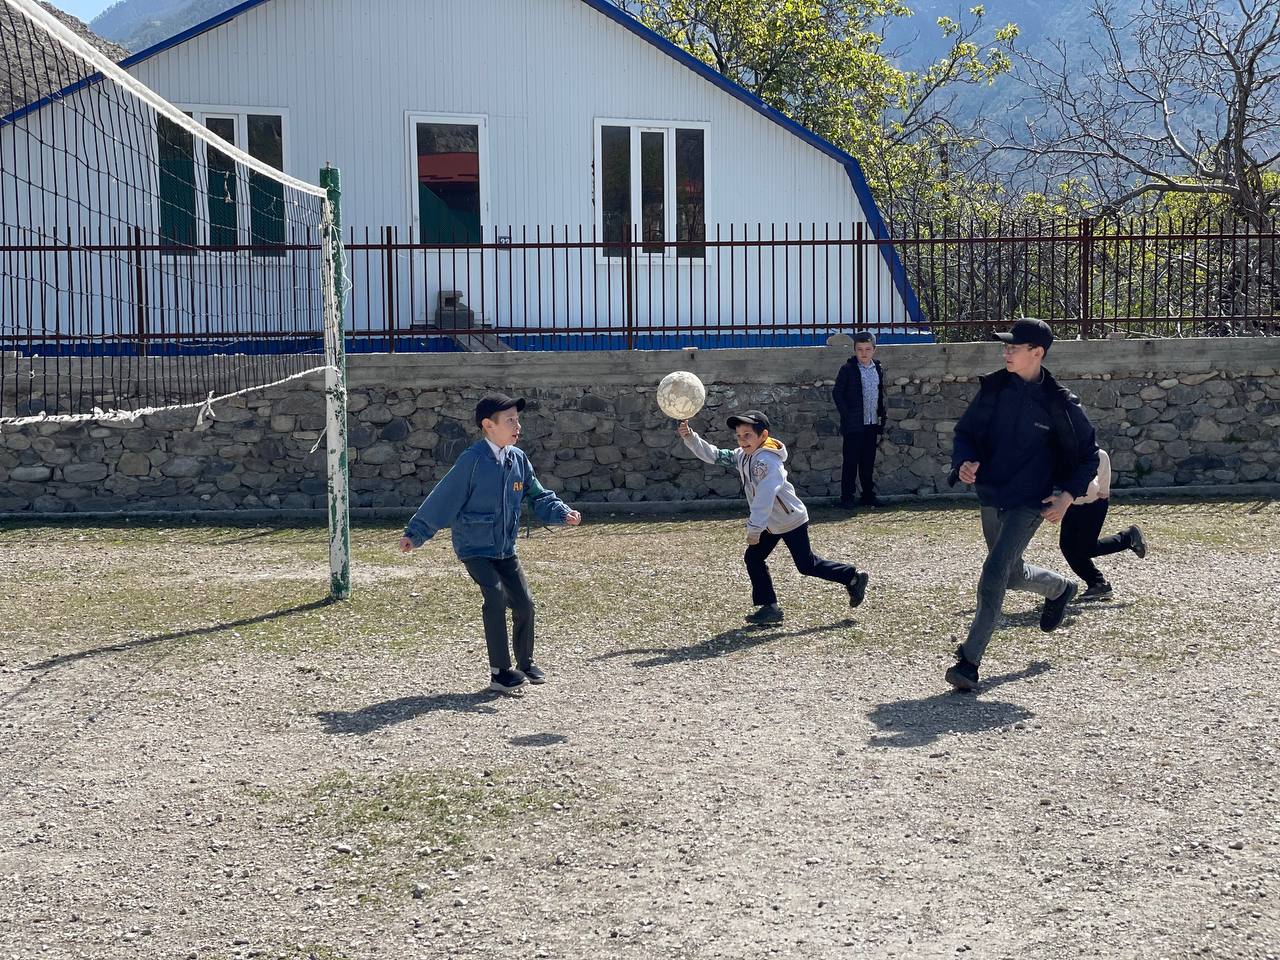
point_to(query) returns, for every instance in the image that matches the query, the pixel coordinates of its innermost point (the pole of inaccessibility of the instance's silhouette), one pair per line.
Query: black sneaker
(872, 501)
(858, 589)
(962, 675)
(1097, 591)
(1054, 610)
(533, 672)
(1137, 542)
(769, 613)
(847, 504)
(507, 681)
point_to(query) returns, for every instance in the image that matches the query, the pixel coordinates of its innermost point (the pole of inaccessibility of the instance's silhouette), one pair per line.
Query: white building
(493, 123)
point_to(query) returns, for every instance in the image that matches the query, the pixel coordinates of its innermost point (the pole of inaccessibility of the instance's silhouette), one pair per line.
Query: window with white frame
(204, 200)
(447, 156)
(651, 187)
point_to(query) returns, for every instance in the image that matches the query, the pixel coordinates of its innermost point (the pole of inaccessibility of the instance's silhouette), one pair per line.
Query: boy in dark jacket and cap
(1029, 449)
(480, 499)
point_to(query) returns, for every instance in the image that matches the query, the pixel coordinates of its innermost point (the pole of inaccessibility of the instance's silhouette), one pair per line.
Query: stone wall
(1170, 412)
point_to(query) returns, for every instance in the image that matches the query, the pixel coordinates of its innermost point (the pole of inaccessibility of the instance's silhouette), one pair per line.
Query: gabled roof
(606, 7)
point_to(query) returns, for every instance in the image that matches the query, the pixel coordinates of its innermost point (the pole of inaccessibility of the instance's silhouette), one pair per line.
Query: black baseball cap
(752, 418)
(491, 403)
(1034, 333)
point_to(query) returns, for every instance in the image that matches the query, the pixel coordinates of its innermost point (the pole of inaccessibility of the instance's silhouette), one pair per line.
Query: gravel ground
(201, 758)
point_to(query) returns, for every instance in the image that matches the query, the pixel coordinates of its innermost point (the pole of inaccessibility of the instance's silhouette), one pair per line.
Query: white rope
(206, 411)
(50, 24)
(116, 416)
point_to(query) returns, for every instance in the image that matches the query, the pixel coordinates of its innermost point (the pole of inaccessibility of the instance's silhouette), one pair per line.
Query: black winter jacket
(847, 394)
(1029, 439)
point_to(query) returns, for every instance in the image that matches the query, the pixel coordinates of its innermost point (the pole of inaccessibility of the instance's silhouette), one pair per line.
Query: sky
(86, 10)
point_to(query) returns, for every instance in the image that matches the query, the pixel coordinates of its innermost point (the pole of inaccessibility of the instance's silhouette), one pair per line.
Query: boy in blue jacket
(1027, 446)
(479, 499)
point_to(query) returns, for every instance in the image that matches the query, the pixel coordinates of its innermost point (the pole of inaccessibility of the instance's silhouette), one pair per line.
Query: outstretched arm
(546, 506)
(706, 452)
(440, 508)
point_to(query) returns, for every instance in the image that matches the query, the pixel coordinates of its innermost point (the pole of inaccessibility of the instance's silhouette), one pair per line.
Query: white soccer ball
(681, 395)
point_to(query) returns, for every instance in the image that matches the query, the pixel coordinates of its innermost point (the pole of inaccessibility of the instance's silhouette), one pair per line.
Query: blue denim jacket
(480, 501)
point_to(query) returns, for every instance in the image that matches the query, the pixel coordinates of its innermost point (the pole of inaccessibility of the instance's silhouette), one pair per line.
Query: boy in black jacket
(859, 396)
(1027, 445)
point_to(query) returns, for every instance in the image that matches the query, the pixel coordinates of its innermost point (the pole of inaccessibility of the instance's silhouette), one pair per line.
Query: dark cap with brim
(751, 418)
(1033, 333)
(492, 403)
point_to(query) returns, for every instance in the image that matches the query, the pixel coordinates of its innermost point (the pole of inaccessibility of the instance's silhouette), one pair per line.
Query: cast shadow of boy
(722, 644)
(918, 723)
(390, 712)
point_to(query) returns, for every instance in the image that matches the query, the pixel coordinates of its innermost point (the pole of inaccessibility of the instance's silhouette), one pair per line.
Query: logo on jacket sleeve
(517, 486)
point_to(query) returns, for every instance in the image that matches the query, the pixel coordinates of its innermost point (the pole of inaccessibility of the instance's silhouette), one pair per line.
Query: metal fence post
(628, 292)
(1086, 277)
(139, 291)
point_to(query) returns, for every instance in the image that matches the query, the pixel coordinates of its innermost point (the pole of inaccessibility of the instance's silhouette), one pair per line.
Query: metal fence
(756, 285)
(1148, 276)
(567, 288)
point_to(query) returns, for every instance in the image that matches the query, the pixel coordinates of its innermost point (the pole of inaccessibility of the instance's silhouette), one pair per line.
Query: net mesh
(150, 258)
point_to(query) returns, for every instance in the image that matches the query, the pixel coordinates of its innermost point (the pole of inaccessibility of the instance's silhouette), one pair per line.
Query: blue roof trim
(861, 188)
(202, 27)
(856, 177)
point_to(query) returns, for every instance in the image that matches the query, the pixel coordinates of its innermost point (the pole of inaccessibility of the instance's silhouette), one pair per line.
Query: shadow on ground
(390, 712)
(722, 644)
(918, 723)
(539, 740)
(181, 634)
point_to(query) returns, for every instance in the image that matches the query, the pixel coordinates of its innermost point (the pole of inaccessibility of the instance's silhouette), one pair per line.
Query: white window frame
(668, 128)
(199, 113)
(411, 120)
(241, 134)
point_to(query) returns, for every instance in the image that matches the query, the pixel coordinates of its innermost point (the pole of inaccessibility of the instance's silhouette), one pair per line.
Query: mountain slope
(139, 24)
(37, 66)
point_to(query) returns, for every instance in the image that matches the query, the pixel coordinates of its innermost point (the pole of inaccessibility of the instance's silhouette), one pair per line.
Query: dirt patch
(200, 757)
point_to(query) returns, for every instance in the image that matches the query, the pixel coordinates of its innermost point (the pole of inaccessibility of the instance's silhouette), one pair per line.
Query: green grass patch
(385, 834)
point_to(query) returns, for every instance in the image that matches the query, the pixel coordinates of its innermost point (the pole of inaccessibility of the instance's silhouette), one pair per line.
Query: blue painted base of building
(557, 342)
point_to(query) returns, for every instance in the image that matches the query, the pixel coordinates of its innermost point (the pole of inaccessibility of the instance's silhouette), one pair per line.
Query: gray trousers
(1007, 533)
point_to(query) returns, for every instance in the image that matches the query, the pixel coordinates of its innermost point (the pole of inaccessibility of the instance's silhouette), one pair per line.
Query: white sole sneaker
(515, 691)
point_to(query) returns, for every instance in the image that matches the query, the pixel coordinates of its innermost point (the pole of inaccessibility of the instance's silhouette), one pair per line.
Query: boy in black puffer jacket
(1029, 449)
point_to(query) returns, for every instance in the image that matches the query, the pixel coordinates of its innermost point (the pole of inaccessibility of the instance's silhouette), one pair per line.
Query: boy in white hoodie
(1081, 525)
(776, 512)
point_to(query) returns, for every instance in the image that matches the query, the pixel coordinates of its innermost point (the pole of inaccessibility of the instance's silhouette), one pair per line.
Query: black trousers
(503, 584)
(1078, 540)
(859, 462)
(807, 562)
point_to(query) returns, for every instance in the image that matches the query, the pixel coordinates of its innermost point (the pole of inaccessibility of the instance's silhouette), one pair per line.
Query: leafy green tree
(824, 64)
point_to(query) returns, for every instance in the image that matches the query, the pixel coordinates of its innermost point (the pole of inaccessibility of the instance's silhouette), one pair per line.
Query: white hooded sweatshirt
(773, 501)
